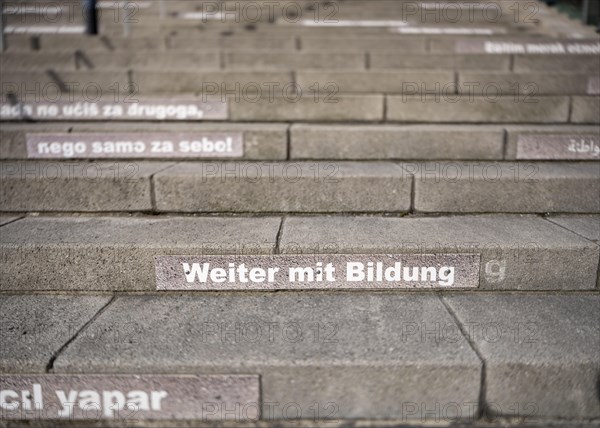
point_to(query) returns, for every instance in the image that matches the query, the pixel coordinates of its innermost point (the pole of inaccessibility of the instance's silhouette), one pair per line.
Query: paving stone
(374, 81)
(239, 83)
(245, 42)
(117, 253)
(506, 187)
(399, 44)
(438, 62)
(327, 108)
(587, 226)
(464, 108)
(66, 42)
(34, 61)
(35, 327)
(143, 61)
(284, 60)
(517, 252)
(283, 187)
(532, 84)
(546, 135)
(583, 63)
(540, 351)
(586, 110)
(360, 361)
(77, 186)
(395, 142)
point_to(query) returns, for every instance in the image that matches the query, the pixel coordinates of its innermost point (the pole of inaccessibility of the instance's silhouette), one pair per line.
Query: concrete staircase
(307, 214)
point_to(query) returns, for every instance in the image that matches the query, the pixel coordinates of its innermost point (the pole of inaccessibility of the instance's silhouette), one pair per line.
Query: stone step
(444, 142)
(263, 141)
(448, 108)
(558, 63)
(303, 187)
(452, 86)
(506, 187)
(382, 356)
(509, 252)
(491, 84)
(241, 84)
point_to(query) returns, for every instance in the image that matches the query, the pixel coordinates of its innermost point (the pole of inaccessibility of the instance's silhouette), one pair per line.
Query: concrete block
(389, 82)
(463, 108)
(327, 107)
(239, 83)
(585, 110)
(540, 351)
(364, 369)
(517, 252)
(378, 60)
(532, 84)
(358, 142)
(506, 187)
(117, 253)
(283, 187)
(77, 186)
(542, 63)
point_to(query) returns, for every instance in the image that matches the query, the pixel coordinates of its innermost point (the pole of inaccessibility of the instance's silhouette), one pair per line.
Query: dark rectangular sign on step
(529, 47)
(135, 145)
(129, 398)
(317, 272)
(558, 147)
(167, 109)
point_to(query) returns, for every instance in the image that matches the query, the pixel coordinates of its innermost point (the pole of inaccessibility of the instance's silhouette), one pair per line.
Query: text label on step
(325, 272)
(129, 397)
(558, 147)
(135, 145)
(156, 109)
(530, 47)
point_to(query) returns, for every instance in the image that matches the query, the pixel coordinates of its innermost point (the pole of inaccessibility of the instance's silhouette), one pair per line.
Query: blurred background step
(265, 141)
(300, 187)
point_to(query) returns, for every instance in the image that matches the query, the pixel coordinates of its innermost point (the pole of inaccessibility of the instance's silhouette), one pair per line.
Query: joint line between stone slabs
(549, 219)
(277, 250)
(13, 220)
(131, 81)
(288, 142)
(413, 185)
(50, 365)
(504, 144)
(222, 61)
(481, 410)
(153, 206)
(570, 112)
